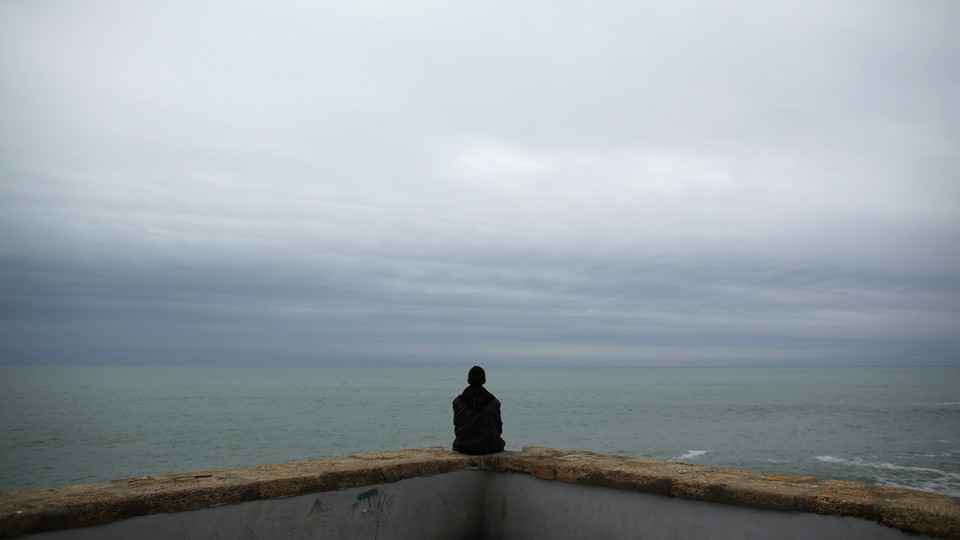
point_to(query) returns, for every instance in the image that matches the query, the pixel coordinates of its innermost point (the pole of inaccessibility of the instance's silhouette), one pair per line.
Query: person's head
(477, 376)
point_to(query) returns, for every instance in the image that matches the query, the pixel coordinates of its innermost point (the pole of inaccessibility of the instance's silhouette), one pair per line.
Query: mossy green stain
(368, 493)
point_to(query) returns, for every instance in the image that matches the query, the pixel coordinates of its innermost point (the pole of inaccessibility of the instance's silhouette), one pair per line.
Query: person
(476, 417)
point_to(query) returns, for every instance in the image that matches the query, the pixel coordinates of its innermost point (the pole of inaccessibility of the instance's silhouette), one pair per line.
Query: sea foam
(692, 454)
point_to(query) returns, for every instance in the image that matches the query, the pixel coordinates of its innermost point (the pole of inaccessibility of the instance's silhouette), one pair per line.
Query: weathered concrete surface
(905, 509)
(28, 512)
(443, 507)
(522, 507)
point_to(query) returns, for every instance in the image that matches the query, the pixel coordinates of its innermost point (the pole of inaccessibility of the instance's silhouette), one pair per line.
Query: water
(891, 426)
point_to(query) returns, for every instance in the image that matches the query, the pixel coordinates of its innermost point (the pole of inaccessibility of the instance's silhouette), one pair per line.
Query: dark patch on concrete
(368, 493)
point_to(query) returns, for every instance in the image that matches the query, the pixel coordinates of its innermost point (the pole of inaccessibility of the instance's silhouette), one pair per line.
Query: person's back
(476, 418)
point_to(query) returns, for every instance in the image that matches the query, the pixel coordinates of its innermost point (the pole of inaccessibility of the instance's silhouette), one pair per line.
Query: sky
(562, 183)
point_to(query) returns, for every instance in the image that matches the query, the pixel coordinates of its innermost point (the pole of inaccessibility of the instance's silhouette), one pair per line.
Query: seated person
(476, 417)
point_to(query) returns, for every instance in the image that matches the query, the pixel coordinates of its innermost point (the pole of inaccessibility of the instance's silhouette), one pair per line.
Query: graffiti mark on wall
(317, 513)
(373, 506)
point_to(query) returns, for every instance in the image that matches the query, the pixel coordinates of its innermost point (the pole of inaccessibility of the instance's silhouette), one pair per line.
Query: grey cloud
(608, 183)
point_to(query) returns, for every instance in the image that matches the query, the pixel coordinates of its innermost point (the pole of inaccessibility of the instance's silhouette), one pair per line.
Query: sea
(893, 426)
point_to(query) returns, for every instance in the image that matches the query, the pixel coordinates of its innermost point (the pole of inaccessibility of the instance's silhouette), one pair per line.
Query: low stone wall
(66, 508)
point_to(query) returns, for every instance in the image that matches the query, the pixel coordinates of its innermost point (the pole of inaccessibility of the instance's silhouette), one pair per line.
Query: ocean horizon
(894, 426)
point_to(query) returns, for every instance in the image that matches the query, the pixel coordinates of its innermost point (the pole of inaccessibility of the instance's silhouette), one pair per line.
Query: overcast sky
(410, 182)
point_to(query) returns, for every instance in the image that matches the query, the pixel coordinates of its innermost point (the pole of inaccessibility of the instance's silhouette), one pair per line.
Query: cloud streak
(603, 184)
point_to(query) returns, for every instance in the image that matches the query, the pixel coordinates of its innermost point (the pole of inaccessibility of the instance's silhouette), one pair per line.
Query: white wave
(692, 454)
(859, 462)
(935, 404)
(944, 487)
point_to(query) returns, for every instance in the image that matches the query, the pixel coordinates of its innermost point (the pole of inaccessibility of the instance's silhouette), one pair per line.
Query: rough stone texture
(845, 498)
(926, 513)
(27, 512)
(786, 495)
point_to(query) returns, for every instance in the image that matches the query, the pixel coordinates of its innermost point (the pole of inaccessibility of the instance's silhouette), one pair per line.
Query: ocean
(889, 426)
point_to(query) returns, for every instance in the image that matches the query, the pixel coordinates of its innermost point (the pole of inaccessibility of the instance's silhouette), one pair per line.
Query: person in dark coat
(476, 418)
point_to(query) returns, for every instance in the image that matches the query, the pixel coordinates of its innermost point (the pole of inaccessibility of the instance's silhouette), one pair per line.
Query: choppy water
(893, 426)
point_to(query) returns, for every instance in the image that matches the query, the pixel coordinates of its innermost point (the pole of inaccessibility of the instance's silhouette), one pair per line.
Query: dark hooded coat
(476, 422)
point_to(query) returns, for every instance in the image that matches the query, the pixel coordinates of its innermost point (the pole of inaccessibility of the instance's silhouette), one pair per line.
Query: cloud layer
(553, 183)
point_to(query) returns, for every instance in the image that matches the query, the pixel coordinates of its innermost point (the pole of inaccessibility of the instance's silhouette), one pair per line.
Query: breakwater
(434, 493)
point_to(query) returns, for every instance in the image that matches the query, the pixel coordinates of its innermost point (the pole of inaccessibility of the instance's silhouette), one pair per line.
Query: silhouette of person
(476, 417)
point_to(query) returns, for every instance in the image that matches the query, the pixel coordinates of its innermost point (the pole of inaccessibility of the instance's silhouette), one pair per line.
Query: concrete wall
(447, 506)
(520, 507)
(435, 493)
(472, 505)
